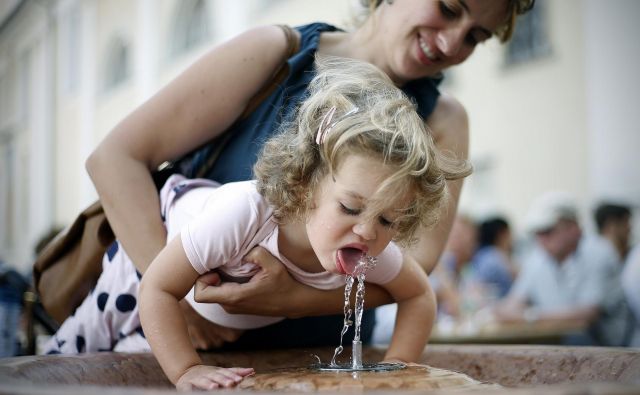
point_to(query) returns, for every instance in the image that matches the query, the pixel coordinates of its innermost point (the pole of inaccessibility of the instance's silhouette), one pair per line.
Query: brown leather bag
(70, 265)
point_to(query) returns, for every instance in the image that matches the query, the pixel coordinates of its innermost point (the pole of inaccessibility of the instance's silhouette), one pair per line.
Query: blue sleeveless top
(236, 160)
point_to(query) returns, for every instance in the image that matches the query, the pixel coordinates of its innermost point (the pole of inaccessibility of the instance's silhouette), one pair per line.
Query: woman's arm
(197, 106)
(450, 127)
(415, 316)
(273, 292)
(166, 282)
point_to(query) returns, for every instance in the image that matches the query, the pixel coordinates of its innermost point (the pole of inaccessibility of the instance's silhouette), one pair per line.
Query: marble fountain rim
(12, 385)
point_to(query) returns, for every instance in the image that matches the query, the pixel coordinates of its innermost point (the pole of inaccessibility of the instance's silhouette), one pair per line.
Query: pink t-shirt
(219, 225)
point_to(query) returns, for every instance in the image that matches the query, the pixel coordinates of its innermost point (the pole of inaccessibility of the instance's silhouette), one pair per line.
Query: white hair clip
(326, 125)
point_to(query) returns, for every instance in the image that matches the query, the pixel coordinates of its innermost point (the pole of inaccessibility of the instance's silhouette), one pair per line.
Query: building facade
(555, 111)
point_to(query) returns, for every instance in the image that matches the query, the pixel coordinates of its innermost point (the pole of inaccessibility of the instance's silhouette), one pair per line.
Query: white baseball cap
(548, 209)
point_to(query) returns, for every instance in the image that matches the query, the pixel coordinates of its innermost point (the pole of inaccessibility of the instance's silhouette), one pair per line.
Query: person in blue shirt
(12, 286)
(492, 264)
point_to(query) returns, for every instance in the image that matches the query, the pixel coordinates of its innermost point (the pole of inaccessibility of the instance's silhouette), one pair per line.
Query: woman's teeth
(426, 50)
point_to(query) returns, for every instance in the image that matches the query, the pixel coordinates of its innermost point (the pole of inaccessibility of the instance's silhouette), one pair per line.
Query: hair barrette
(326, 125)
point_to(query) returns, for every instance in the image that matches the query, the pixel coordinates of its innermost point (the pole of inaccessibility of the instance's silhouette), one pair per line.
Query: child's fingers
(235, 374)
(205, 383)
(210, 377)
(197, 383)
(221, 377)
(243, 371)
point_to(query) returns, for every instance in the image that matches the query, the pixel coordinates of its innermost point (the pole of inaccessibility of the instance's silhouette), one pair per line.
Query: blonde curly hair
(385, 126)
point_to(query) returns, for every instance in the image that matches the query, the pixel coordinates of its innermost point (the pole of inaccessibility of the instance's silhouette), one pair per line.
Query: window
(7, 209)
(117, 63)
(4, 101)
(530, 40)
(70, 51)
(191, 26)
(24, 86)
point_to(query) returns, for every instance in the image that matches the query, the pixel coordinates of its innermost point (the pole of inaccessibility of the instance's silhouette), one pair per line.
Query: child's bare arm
(165, 283)
(416, 313)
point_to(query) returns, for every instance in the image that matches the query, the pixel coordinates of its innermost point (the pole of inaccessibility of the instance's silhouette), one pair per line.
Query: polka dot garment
(108, 319)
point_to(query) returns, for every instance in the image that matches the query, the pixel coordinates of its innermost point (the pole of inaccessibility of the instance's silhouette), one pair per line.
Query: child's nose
(366, 230)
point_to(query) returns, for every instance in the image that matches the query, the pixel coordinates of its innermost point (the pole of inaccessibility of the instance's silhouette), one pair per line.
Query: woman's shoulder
(449, 123)
(270, 37)
(316, 28)
(309, 35)
(425, 93)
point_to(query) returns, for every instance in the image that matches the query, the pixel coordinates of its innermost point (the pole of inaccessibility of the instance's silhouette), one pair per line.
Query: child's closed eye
(348, 210)
(353, 211)
(385, 222)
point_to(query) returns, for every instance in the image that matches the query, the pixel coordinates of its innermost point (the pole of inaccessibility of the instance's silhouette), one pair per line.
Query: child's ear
(311, 203)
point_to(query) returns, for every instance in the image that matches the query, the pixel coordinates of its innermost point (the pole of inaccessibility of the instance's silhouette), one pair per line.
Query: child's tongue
(349, 259)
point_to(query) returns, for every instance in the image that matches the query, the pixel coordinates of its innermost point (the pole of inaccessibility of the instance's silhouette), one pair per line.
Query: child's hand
(202, 377)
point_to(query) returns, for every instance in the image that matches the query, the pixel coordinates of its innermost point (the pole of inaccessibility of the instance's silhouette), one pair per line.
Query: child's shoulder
(242, 188)
(244, 192)
(388, 266)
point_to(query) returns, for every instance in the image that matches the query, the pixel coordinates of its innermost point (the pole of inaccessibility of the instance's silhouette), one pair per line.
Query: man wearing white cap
(559, 281)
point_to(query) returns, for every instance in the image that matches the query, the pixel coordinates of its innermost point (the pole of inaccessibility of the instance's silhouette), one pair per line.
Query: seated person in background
(558, 282)
(445, 279)
(614, 227)
(492, 264)
(611, 245)
(630, 281)
(12, 286)
(454, 268)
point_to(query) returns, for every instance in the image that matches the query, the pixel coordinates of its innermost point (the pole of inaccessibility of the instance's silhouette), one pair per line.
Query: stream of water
(366, 263)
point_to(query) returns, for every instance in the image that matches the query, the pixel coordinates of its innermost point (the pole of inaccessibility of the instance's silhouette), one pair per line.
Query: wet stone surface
(413, 377)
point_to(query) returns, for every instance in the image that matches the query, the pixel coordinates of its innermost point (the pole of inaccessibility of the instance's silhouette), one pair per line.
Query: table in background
(537, 332)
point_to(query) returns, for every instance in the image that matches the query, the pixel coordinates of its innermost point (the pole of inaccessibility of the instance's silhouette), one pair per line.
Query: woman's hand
(202, 377)
(273, 292)
(204, 334)
(270, 292)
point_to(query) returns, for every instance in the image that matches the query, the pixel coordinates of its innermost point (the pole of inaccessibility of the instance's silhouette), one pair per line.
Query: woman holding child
(411, 41)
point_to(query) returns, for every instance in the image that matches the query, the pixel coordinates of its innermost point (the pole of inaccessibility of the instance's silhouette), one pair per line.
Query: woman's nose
(366, 230)
(449, 41)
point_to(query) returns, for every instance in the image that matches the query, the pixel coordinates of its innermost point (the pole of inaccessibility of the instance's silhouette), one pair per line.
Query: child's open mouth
(348, 258)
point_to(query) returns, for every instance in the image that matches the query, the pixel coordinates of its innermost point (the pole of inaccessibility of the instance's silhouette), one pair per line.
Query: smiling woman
(410, 40)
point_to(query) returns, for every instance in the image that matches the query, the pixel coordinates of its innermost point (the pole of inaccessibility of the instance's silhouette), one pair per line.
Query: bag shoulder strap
(293, 46)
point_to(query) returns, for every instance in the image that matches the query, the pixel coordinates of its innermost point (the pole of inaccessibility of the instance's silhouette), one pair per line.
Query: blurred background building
(555, 109)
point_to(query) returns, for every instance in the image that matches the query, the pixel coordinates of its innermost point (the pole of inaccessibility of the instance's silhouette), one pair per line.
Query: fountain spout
(356, 355)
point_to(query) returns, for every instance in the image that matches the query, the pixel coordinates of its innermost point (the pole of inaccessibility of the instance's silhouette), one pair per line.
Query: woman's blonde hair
(503, 32)
(372, 118)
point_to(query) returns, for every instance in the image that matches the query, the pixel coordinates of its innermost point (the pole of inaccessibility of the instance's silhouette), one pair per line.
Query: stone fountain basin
(522, 369)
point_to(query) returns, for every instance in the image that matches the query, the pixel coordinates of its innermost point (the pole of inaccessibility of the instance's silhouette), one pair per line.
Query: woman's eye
(475, 37)
(349, 211)
(447, 10)
(471, 40)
